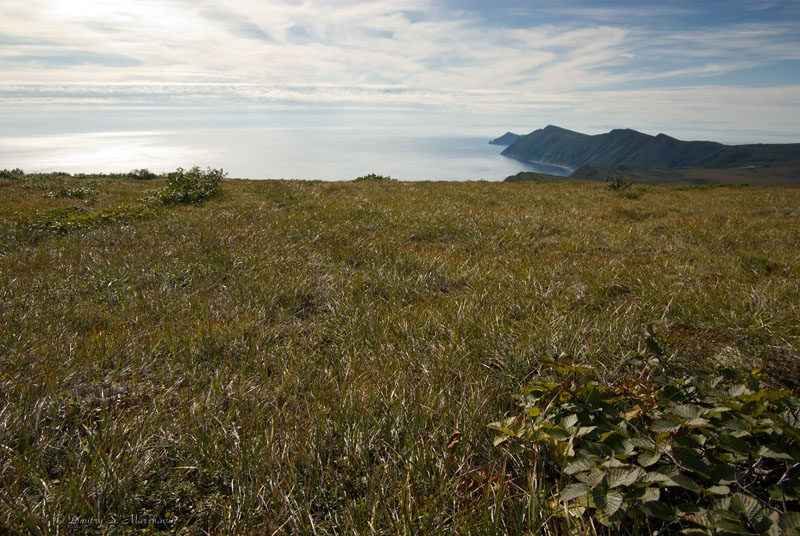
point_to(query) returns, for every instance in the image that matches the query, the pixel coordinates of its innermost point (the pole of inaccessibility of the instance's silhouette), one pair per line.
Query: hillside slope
(629, 148)
(506, 139)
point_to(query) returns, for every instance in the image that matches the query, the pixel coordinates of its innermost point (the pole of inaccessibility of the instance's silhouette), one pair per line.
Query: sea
(328, 154)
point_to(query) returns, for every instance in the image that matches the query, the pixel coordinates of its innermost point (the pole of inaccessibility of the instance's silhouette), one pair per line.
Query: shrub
(618, 183)
(698, 455)
(191, 186)
(142, 174)
(12, 174)
(73, 193)
(373, 177)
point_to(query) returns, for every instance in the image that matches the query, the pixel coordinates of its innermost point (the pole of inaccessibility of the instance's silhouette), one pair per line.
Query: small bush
(191, 186)
(698, 455)
(12, 174)
(373, 177)
(618, 183)
(142, 174)
(73, 193)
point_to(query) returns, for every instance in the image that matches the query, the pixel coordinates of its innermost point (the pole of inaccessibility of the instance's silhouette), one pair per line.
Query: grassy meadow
(325, 358)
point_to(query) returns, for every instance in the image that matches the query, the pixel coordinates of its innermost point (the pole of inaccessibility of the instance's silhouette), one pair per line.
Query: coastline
(541, 163)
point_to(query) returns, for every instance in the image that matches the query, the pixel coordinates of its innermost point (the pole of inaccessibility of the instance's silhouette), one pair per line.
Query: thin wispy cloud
(416, 54)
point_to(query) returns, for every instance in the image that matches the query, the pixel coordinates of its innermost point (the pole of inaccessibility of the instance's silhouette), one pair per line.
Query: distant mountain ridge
(623, 148)
(506, 139)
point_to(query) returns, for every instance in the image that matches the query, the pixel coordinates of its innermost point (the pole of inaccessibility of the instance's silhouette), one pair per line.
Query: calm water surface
(260, 153)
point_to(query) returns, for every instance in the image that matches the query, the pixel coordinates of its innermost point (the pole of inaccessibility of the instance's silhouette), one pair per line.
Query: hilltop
(506, 139)
(626, 148)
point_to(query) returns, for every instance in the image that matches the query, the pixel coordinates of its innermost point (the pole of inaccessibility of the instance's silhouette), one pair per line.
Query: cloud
(387, 54)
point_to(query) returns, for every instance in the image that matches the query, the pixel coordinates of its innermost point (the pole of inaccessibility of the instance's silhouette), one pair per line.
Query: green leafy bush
(373, 177)
(12, 174)
(618, 183)
(72, 219)
(143, 174)
(191, 186)
(691, 454)
(73, 193)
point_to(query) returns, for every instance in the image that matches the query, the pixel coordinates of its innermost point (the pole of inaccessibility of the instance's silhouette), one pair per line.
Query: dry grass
(295, 357)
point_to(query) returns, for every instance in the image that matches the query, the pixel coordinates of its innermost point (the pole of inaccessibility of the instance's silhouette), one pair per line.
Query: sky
(723, 70)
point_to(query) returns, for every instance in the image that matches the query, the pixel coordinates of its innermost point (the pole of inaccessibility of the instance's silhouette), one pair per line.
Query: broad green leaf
(691, 460)
(648, 458)
(744, 505)
(643, 495)
(614, 500)
(569, 421)
(734, 444)
(722, 474)
(790, 521)
(719, 490)
(683, 482)
(697, 422)
(574, 491)
(581, 464)
(768, 452)
(687, 508)
(591, 478)
(663, 426)
(624, 477)
(688, 411)
(596, 449)
(659, 510)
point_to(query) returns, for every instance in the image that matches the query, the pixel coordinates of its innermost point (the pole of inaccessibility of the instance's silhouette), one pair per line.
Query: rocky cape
(626, 148)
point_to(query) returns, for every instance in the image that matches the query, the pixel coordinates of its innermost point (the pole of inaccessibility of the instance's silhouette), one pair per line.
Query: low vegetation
(372, 177)
(379, 357)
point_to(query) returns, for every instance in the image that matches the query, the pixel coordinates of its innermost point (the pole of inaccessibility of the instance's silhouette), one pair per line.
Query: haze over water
(331, 153)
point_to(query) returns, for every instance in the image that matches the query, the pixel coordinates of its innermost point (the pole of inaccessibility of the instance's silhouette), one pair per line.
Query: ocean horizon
(328, 153)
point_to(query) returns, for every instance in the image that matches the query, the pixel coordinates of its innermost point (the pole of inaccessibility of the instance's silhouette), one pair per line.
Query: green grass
(294, 357)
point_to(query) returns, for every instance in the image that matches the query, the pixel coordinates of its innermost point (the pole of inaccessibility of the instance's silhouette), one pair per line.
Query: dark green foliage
(618, 183)
(373, 177)
(73, 193)
(714, 454)
(12, 174)
(191, 186)
(529, 176)
(143, 174)
(64, 221)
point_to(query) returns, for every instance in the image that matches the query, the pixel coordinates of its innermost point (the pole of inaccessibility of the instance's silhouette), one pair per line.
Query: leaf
(569, 421)
(644, 495)
(722, 474)
(574, 491)
(659, 510)
(699, 421)
(663, 426)
(790, 521)
(581, 464)
(735, 444)
(719, 490)
(683, 482)
(688, 411)
(767, 452)
(744, 505)
(614, 500)
(624, 477)
(651, 494)
(648, 458)
(592, 478)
